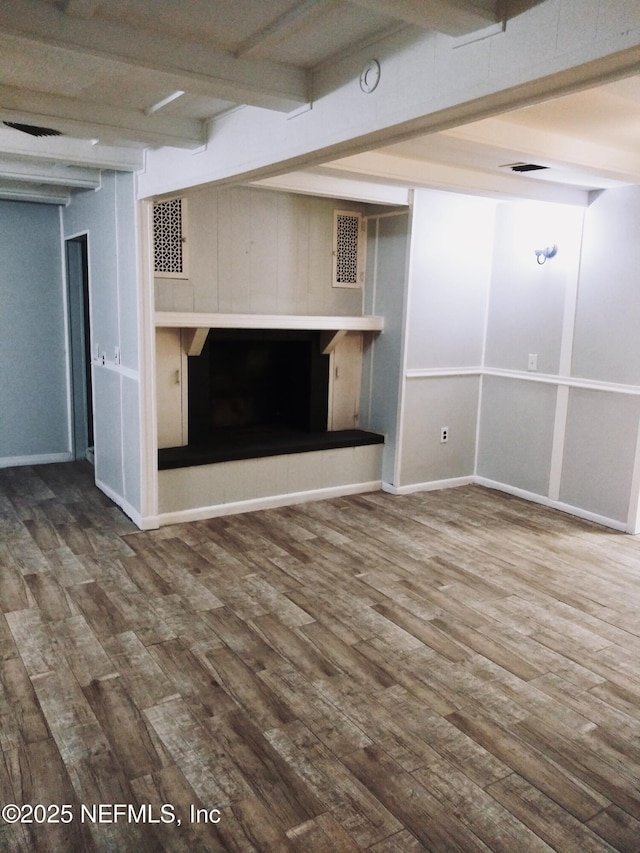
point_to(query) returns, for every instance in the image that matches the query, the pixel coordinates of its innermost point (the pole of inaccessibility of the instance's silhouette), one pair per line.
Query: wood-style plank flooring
(446, 671)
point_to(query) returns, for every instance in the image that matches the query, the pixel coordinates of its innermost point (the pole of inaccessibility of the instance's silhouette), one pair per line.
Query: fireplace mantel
(192, 320)
(199, 324)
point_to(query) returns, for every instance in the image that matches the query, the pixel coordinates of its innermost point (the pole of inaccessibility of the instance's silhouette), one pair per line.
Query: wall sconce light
(547, 252)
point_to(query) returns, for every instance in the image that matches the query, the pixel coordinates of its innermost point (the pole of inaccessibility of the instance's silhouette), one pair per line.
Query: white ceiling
(117, 76)
(587, 140)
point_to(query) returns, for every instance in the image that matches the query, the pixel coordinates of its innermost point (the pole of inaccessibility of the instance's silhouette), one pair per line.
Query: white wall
(450, 264)
(565, 434)
(527, 300)
(479, 305)
(108, 217)
(606, 342)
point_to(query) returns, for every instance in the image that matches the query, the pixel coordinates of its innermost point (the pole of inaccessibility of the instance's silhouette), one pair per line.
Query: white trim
(93, 343)
(36, 459)
(557, 445)
(523, 375)
(236, 507)
(407, 291)
(388, 214)
(88, 404)
(483, 353)
(71, 437)
(116, 361)
(569, 381)
(114, 367)
(484, 482)
(571, 307)
(441, 372)
(476, 447)
(373, 278)
(147, 366)
(633, 518)
(431, 486)
(552, 504)
(272, 502)
(124, 505)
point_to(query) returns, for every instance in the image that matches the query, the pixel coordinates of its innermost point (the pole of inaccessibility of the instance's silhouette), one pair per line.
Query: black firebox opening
(249, 384)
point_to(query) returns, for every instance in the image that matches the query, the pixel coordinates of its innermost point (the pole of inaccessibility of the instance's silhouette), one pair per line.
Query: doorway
(77, 258)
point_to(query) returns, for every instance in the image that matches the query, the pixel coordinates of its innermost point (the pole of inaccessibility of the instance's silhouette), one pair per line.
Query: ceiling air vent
(523, 167)
(32, 129)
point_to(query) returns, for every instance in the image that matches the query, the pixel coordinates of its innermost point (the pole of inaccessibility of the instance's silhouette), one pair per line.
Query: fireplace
(259, 392)
(248, 383)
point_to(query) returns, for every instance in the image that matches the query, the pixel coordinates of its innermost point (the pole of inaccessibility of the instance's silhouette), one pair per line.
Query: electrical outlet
(444, 435)
(532, 363)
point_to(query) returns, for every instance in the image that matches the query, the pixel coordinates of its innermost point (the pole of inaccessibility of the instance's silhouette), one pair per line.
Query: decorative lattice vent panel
(348, 250)
(169, 238)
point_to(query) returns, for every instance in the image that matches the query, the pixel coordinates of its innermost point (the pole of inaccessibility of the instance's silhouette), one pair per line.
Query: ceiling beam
(196, 67)
(452, 17)
(16, 191)
(283, 27)
(77, 152)
(88, 119)
(332, 186)
(56, 174)
(421, 173)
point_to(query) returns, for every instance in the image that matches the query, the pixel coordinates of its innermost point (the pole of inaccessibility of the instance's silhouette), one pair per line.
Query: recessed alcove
(250, 387)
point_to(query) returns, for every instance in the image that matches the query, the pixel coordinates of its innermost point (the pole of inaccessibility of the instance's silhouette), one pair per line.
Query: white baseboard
(431, 486)
(434, 485)
(274, 501)
(124, 505)
(201, 513)
(553, 504)
(37, 459)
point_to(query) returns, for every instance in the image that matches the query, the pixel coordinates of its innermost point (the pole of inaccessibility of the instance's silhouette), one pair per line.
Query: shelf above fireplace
(191, 320)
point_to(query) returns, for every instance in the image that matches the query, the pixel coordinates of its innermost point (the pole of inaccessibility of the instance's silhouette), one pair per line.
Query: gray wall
(429, 405)
(108, 216)
(516, 433)
(34, 420)
(599, 451)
